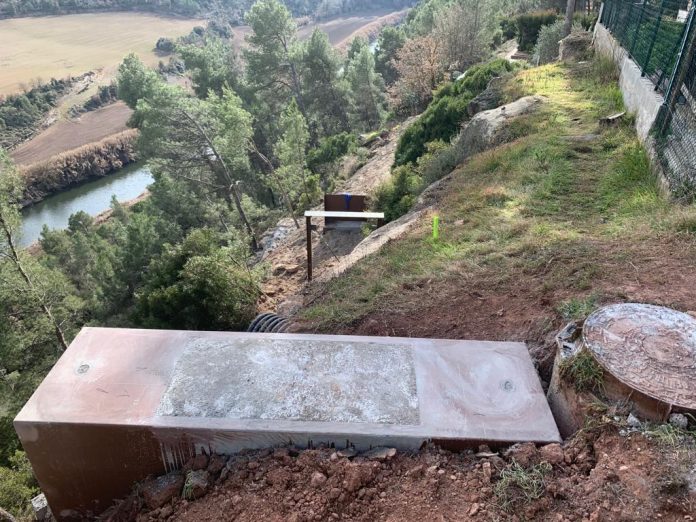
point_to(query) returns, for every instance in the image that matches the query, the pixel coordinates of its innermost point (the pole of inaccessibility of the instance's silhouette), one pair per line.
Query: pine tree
(291, 151)
(325, 91)
(273, 55)
(366, 91)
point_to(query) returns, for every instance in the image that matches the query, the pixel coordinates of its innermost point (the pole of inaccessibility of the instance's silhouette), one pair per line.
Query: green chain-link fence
(651, 31)
(660, 36)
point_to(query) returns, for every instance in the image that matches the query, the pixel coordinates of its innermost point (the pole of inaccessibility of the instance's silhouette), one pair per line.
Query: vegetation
(443, 117)
(529, 25)
(20, 114)
(542, 211)
(518, 485)
(583, 371)
(260, 137)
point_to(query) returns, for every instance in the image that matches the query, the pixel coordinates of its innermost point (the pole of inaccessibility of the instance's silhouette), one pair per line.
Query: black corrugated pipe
(268, 322)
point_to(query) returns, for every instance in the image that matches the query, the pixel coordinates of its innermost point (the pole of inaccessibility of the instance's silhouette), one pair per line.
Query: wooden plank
(336, 214)
(309, 246)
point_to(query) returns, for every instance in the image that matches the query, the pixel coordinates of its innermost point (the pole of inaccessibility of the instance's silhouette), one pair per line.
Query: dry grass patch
(48, 47)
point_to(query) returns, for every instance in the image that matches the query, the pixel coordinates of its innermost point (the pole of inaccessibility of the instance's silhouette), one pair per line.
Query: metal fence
(652, 32)
(660, 36)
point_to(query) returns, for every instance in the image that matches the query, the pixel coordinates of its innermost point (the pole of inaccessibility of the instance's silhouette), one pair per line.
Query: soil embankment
(603, 474)
(79, 165)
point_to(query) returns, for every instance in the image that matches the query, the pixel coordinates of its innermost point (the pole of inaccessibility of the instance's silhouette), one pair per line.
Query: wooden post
(309, 247)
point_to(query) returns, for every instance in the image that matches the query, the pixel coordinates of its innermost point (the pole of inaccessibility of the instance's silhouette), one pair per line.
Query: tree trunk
(14, 257)
(231, 191)
(281, 186)
(570, 10)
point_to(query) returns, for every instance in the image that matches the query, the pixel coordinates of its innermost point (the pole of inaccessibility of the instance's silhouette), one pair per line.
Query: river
(93, 197)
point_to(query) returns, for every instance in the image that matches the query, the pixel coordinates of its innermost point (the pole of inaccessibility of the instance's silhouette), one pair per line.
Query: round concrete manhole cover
(649, 348)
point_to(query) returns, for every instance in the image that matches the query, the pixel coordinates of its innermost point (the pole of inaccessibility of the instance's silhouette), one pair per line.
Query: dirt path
(285, 245)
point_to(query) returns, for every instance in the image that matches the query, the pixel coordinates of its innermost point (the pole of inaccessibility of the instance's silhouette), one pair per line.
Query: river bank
(94, 197)
(78, 166)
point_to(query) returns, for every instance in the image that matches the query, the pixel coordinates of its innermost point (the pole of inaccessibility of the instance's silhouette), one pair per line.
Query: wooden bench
(350, 216)
(343, 203)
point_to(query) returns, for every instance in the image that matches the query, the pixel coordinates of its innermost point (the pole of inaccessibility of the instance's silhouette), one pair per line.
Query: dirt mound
(599, 475)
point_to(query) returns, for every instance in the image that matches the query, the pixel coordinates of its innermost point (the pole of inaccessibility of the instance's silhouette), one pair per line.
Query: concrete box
(122, 404)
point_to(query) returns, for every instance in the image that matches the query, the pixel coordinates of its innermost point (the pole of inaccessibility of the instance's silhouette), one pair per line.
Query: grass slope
(533, 233)
(57, 46)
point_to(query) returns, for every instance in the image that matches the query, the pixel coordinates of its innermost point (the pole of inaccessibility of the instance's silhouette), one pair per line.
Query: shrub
(331, 149)
(17, 485)
(165, 45)
(445, 114)
(547, 46)
(585, 20)
(529, 25)
(396, 196)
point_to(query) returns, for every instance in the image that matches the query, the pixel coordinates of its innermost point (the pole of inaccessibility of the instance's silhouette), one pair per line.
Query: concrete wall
(638, 92)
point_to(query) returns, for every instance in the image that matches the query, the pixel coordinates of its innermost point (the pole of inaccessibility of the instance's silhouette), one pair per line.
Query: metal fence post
(686, 55)
(635, 36)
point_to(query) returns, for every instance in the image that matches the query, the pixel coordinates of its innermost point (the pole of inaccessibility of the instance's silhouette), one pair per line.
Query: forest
(260, 137)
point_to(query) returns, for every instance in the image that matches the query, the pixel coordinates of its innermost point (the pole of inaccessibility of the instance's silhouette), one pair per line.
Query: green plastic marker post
(436, 227)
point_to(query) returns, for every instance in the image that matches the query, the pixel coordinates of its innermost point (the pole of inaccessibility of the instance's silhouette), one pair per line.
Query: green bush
(396, 196)
(587, 21)
(508, 26)
(331, 149)
(17, 485)
(529, 25)
(547, 48)
(445, 114)
(199, 285)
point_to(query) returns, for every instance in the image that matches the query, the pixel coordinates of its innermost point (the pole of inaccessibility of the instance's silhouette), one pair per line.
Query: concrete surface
(294, 380)
(122, 404)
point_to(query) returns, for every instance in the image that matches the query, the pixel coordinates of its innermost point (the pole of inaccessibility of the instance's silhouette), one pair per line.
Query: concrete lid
(649, 348)
(402, 387)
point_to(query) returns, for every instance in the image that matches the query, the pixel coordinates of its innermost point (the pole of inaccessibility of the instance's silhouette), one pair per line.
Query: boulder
(491, 98)
(158, 491)
(483, 131)
(576, 46)
(196, 484)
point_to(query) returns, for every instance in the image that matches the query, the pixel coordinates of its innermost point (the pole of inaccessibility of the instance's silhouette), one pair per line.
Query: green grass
(519, 486)
(583, 371)
(576, 309)
(553, 207)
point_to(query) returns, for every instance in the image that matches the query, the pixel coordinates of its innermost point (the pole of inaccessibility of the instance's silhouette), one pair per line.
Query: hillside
(563, 216)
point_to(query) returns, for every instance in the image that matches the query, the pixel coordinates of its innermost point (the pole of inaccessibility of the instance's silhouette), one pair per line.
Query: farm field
(58, 46)
(340, 30)
(71, 134)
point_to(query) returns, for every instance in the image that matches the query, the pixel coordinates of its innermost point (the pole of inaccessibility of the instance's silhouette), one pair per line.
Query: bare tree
(420, 64)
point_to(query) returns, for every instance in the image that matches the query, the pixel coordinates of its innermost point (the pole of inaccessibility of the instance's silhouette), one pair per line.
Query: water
(93, 197)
